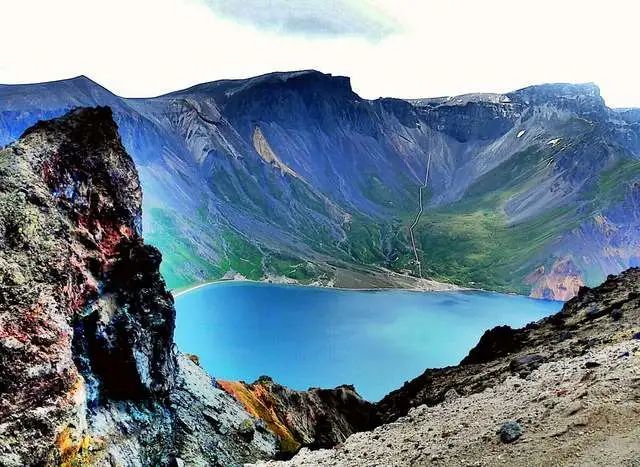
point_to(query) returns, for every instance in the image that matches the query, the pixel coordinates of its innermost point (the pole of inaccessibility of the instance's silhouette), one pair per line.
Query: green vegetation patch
(479, 248)
(472, 243)
(181, 264)
(613, 183)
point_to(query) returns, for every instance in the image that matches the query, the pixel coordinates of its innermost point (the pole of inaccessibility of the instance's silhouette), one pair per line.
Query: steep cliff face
(294, 174)
(317, 418)
(89, 373)
(70, 222)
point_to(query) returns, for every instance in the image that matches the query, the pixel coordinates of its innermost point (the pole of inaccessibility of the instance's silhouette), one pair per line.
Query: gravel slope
(562, 391)
(570, 414)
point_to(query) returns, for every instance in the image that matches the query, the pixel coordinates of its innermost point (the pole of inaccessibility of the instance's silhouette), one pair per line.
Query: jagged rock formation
(317, 418)
(502, 351)
(562, 391)
(210, 427)
(89, 374)
(293, 174)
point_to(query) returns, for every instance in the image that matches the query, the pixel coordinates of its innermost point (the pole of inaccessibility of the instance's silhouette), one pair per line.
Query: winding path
(418, 215)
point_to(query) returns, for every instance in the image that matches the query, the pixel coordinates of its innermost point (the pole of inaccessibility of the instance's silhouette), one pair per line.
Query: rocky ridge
(70, 220)
(293, 174)
(564, 390)
(316, 418)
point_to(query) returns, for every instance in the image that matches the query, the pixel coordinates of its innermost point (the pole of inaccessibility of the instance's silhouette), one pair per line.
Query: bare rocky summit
(570, 415)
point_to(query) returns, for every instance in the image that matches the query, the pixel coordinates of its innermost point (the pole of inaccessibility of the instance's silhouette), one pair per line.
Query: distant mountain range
(293, 175)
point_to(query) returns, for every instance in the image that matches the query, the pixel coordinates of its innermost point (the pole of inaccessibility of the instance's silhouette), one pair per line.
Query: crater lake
(318, 337)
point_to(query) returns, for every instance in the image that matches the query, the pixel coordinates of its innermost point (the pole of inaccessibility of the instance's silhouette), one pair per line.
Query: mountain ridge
(91, 376)
(552, 164)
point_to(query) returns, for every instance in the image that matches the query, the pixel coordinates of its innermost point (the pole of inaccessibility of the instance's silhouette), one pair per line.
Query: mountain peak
(302, 79)
(298, 80)
(82, 79)
(535, 94)
(463, 99)
(284, 76)
(79, 91)
(557, 91)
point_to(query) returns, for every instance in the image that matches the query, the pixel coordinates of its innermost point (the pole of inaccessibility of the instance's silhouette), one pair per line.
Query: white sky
(400, 48)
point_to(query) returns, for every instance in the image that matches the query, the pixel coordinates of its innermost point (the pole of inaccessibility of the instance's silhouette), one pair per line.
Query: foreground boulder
(88, 370)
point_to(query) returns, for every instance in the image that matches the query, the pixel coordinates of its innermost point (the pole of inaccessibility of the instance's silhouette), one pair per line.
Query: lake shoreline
(445, 287)
(242, 329)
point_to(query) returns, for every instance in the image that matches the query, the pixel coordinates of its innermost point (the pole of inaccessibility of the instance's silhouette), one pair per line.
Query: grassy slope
(613, 182)
(182, 265)
(471, 242)
(468, 243)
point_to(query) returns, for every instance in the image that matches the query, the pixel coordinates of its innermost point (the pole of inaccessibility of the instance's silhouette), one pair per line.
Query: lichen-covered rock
(316, 418)
(87, 363)
(211, 427)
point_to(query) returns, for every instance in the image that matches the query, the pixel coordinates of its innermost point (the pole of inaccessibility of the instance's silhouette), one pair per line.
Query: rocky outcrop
(595, 317)
(211, 428)
(89, 374)
(562, 391)
(562, 282)
(316, 418)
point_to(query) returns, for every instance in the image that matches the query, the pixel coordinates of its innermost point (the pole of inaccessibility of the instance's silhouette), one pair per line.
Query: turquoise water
(310, 337)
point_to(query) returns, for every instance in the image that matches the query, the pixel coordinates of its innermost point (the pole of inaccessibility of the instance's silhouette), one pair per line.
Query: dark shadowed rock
(510, 431)
(525, 364)
(496, 342)
(616, 314)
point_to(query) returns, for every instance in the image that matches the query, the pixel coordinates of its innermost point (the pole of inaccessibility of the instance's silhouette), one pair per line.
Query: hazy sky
(401, 48)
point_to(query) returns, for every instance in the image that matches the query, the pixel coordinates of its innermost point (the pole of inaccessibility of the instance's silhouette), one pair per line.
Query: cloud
(319, 18)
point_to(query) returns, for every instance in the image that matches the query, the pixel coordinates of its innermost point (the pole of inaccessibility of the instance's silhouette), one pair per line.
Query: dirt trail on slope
(418, 215)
